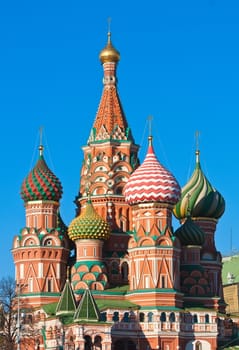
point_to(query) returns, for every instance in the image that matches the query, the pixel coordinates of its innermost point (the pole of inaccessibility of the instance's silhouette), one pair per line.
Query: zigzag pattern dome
(89, 225)
(41, 183)
(199, 197)
(152, 182)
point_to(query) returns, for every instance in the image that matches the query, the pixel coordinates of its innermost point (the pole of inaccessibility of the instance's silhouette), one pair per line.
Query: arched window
(150, 317)
(97, 343)
(124, 271)
(88, 343)
(141, 317)
(103, 316)
(195, 318)
(115, 317)
(126, 317)
(207, 318)
(172, 317)
(198, 345)
(163, 317)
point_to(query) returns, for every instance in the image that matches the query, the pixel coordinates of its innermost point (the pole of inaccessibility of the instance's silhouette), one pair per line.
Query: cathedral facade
(118, 276)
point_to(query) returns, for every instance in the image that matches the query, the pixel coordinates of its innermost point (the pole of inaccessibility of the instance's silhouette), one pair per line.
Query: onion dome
(41, 183)
(151, 182)
(89, 225)
(109, 53)
(190, 233)
(199, 197)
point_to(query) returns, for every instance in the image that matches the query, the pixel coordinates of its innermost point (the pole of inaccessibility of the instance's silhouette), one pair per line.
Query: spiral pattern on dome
(151, 182)
(41, 184)
(199, 197)
(89, 225)
(190, 233)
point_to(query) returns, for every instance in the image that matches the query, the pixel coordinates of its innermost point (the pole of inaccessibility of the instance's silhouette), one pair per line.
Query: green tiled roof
(230, 265)
(66, 304)
(87, 308)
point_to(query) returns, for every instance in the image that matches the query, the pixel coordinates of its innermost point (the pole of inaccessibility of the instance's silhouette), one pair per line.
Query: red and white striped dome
(151, 182)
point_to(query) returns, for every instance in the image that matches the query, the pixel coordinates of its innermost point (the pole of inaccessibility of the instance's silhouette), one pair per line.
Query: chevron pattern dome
(152, 182)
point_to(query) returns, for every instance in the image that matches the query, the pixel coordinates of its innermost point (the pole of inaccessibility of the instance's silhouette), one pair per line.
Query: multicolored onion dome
(89, 225)
(41, 183)
(151, 182)
(109, 53)
(199, 197)
(190, 233)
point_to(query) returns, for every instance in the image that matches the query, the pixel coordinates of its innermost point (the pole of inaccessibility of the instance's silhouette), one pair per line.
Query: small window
(115, 316)
(207, 318)
(195, 318)
(141, 317)
(172, 317)
(163, 317)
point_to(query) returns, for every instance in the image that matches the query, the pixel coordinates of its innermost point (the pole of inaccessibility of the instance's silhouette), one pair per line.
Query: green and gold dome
(199, 197)
(89, 225)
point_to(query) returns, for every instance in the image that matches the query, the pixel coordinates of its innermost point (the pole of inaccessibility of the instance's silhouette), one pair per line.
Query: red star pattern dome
(151, 182)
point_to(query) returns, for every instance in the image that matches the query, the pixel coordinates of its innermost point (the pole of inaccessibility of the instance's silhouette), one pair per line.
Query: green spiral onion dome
(89, 225)
(190, 233)
(41, 183)
(199, 197)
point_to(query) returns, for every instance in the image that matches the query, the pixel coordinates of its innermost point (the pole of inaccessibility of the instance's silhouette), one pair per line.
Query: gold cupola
(109, 53)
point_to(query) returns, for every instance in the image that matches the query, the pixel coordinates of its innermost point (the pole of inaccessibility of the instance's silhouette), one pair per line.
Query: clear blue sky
(179, 63)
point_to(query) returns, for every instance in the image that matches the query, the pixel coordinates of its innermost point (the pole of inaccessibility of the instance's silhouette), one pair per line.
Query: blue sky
(179, 63)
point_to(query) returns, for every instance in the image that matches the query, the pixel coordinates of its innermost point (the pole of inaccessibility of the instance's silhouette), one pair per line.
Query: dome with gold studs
(89, 225)
(109, 53)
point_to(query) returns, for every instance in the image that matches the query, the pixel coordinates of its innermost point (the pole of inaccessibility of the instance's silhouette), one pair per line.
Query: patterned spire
(151, 182)
(110, 121)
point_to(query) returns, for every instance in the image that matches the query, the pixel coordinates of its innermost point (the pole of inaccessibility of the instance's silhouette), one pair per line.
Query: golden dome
(109, 53)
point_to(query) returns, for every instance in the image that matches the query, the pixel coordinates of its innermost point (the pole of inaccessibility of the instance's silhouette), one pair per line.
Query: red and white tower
(41, 250)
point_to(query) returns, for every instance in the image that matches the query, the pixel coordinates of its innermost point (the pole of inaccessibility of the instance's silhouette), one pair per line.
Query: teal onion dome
(89, 225)
(41, 183)
(199, 197)
(190, 233)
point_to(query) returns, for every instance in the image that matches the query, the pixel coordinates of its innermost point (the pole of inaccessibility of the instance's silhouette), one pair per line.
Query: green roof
(230, 265)
(87, 308)
(66, 304)
(104, 304)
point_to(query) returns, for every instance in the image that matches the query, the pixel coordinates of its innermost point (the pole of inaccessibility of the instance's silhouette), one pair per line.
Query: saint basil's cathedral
(119, 277)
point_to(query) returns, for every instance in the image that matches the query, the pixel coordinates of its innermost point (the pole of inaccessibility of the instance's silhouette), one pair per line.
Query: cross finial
(150, 119)
(41, 145)
(197, 134)
(109, 23)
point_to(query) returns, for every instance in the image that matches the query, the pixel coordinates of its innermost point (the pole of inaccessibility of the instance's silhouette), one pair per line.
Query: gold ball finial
(109, 53)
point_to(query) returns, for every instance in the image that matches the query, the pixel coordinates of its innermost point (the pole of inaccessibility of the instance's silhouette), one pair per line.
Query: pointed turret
(87, 309)
(66, 304)
(110, 122)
